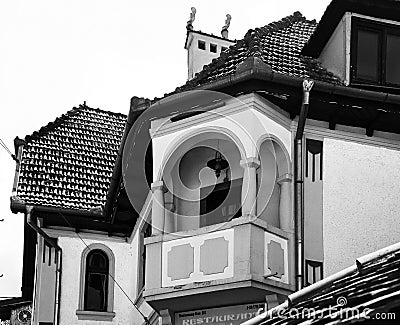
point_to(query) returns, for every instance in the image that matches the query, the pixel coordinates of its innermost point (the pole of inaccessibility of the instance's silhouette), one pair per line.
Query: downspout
(32, 223)
(299, 190)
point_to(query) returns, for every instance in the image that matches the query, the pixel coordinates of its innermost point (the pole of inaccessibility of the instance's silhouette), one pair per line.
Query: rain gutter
(32, 223)
(261, 71)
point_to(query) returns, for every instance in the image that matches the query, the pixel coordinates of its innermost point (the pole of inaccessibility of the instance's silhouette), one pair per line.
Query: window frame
(383, 30)
(108, 314)
(104, 272)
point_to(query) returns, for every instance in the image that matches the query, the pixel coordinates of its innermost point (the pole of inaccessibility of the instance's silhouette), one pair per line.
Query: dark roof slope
(277, 44)
(69, 163)
(354, 295)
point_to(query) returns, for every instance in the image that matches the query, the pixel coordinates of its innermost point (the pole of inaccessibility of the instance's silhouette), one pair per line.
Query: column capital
(285, 178)
(158, 185)
(250, 162)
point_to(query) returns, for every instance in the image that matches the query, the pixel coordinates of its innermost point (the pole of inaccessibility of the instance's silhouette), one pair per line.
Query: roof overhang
(79, 220)
(333, 103)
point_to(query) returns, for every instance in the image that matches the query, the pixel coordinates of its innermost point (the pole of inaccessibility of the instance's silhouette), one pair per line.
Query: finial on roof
(189, 24)
(224, 31)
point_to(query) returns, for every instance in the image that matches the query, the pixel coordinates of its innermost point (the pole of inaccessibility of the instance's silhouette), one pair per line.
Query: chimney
(203, 47)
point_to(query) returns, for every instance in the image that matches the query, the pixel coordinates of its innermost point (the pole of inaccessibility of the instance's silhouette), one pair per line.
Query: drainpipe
(299, 195)
(32, 223)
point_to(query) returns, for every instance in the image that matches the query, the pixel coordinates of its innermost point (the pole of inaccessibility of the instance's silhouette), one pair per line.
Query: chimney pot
(189, 24)
(224, 31)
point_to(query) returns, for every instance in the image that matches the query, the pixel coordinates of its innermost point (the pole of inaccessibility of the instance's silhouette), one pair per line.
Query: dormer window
(375, 53)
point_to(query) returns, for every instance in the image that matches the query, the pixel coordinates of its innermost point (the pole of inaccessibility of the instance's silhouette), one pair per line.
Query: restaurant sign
(232, 315)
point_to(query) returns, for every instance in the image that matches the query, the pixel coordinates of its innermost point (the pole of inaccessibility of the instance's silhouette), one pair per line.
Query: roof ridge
(64, 118)
(254, 43)
(54, 124)
(84, 106)
(283, 22)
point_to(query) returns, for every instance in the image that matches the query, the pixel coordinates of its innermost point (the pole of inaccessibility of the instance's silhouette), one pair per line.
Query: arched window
(96, 294)
(96, 281)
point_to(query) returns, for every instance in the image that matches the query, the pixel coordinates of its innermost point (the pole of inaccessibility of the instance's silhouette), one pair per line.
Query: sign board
(232, 315)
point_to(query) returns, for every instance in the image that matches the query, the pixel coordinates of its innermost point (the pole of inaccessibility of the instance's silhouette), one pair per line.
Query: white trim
(36, 284)
(104, 316)
(144, 216)
(70, 233)
(347, 46)
(239, 104)
(272, 111)
(350, 134)
(380, 20)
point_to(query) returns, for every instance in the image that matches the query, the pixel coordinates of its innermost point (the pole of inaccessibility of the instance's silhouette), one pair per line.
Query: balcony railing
(220, 257)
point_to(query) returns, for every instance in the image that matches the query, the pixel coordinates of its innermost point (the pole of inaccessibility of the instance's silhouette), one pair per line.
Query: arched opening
(274, 168)
(96, 281)
(198, 196)
(96, 288)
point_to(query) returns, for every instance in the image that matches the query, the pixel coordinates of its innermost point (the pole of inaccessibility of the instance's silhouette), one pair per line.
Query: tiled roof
(277, 44)
(371, 287)
(69, 163)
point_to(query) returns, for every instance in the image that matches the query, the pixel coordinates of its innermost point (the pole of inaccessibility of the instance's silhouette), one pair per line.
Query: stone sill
(106, 316)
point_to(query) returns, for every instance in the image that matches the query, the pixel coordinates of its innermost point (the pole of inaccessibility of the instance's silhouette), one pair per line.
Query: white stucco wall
(335, 56)
(361, 201)
(198, 58)
(125, 274)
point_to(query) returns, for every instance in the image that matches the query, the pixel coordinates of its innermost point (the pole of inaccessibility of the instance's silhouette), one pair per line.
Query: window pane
(98, 261)
(96, 295)
(393, 59)
(367, 55)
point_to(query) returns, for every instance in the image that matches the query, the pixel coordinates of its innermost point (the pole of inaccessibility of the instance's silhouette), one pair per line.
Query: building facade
(272, 168)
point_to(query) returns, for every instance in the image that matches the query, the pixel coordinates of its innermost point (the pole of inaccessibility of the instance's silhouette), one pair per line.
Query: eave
(80, 220)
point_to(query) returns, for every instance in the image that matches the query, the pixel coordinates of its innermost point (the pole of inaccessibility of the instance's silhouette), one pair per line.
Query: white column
(249, 186)
(158, 210)
(169, 225)
(285, 203)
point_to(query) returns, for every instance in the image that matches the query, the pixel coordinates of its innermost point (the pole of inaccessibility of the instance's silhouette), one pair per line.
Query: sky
(56, 54)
